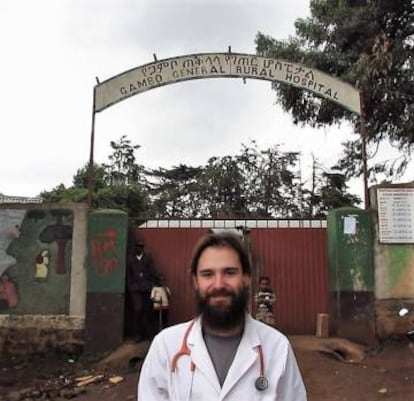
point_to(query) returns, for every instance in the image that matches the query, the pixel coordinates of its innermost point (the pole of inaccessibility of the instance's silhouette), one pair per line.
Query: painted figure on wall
(60, 233)
(10, 223)
(42, 265)
(15, 231)
(8, 293)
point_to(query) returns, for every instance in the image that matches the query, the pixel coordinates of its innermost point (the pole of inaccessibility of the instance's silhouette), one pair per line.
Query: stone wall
(23, 335)
(389, 324)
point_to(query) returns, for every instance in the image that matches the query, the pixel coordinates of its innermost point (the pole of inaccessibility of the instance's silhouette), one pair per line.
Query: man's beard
(221, 317)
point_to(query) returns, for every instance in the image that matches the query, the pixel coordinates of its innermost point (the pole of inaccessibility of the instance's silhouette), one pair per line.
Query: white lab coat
(157, 382)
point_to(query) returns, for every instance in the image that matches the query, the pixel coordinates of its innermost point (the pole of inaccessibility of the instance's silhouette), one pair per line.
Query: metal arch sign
(229, 65)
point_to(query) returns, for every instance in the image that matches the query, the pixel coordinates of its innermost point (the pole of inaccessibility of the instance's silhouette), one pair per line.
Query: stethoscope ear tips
(261, 383)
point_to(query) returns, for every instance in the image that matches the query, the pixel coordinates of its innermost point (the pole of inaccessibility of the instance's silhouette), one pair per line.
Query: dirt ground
(386, 374)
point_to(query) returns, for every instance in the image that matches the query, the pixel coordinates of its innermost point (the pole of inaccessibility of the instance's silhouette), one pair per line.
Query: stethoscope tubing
(261, 382)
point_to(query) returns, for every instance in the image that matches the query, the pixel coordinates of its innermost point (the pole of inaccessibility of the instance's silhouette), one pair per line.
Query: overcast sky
(53, 50)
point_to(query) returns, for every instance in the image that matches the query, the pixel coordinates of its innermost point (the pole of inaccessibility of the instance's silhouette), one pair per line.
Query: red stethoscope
(261, 383)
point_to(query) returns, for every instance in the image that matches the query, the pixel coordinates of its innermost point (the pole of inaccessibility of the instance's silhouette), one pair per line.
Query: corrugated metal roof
(19, 199)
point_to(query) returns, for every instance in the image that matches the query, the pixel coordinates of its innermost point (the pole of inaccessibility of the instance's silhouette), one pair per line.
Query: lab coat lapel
(201, 357)
(245, 357)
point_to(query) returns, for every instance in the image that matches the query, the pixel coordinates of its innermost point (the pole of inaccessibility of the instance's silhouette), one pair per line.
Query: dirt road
(387, 375)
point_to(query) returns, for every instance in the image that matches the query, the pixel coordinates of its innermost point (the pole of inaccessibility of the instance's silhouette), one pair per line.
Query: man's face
(221, 287)
(264, 284)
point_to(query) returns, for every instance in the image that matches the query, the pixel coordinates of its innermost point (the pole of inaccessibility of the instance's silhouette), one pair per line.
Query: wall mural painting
(10, 223)
(103, 247)
(8, 293)
(35, 260)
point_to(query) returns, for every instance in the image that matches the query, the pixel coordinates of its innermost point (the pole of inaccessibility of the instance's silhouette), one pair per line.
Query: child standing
(265, 298)
(160, 296)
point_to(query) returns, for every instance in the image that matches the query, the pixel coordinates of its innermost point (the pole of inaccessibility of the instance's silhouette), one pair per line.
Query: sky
(53, 51)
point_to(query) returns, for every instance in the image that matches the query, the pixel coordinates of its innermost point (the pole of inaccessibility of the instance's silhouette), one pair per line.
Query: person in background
(160, 296)
(223, 354)
(140, 279)
(265, 298)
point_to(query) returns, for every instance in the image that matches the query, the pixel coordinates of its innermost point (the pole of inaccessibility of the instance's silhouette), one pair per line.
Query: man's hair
(222, 239)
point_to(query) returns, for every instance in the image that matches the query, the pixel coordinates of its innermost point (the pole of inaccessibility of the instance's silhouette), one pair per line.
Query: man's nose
(218, 281)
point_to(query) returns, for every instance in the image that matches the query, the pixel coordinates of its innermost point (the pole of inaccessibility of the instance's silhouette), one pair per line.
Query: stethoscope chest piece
(261, 383)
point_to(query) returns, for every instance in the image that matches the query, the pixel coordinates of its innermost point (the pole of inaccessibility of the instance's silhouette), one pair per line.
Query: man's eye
(205, 274)
(231, 272)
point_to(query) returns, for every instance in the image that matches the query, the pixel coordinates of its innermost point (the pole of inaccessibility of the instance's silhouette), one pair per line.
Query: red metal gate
(295, 258)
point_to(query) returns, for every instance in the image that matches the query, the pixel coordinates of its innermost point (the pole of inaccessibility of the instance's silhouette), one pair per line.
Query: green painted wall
(399, 258)
(350, 250)
(107, 241)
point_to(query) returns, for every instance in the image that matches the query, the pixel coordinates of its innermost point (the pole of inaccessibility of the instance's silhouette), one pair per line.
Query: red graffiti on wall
(103, 247)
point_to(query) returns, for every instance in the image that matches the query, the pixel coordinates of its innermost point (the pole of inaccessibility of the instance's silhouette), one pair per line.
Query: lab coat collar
(245, 357)
(200, 355)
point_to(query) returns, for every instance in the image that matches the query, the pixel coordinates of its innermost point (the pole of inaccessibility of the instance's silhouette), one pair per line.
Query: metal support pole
(363, 132)
(91, 161)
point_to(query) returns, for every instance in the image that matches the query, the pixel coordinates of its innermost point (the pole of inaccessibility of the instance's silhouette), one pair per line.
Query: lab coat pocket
(193, 386)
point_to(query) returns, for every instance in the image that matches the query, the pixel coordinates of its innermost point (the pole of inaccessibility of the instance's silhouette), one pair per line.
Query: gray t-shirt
(222, 351)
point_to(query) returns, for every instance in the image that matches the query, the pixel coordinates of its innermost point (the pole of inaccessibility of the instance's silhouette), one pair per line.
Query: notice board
(396, 215)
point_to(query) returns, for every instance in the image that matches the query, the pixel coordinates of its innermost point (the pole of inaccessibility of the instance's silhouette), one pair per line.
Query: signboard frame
(396, 215)
(219, 65)
(227, 65)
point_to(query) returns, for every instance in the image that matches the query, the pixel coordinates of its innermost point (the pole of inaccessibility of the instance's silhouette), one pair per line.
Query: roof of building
(19, 199)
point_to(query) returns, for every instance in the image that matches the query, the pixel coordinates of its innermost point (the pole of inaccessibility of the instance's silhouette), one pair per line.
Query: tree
(132, 199)
(253, 184)
(279, 182)
(122, 167)
(271, 187)
(64, 195)
(80, 179)
(327, 191)
(174, 191)
(368, 43)
(120, 184)
(222, 188)
(78, 192)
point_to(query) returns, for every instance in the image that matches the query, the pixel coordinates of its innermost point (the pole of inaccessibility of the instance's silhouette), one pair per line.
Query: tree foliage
(122, 167)
(368, 43)
(252, 184)
(327, 190)
(116, 185)
(172, 191)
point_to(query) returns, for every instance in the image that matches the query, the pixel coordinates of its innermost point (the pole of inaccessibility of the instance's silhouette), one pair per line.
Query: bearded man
(223, 354)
